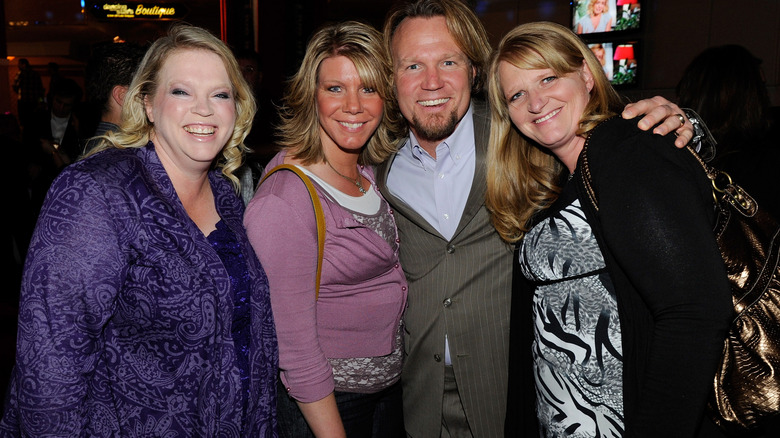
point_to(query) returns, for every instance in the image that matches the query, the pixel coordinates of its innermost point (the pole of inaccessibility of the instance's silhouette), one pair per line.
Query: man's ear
(118, 94)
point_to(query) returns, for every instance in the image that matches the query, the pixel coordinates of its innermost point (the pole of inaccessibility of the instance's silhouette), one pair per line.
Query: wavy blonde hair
(136, 130)
(523, 178)
(299, 129)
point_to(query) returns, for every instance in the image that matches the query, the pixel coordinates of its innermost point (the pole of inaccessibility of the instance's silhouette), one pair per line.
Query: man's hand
(663, 116)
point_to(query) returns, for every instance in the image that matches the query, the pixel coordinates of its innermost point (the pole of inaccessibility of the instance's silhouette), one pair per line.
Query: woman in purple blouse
(341, 354)
(144, 310)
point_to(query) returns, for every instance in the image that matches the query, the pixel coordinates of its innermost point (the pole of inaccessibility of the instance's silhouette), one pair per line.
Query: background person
(29, 90)
(605, 60)
(341, 354)
(52, 139)
(260, 140)
(629, 302)
(456, 327)
(725, 86)
(107, 79)
(143, 306)
(597, 18)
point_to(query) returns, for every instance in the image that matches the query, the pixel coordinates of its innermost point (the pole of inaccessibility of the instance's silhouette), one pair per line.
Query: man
(52, 139)
(260, 138)
(107, 79)
(56, 129)
(459, 271)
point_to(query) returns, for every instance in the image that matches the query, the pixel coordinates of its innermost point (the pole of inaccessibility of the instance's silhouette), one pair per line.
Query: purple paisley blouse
(126, 313)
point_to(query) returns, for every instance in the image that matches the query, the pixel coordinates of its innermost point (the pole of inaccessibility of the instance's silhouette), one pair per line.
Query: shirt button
(403, 288)
(397, 266)
(437, 357)
(446, 216)
(450, 249)
(441, 176)
(397, 240)
(447, 302)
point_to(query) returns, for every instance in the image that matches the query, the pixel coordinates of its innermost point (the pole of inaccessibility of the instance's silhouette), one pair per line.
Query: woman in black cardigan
(619, 313)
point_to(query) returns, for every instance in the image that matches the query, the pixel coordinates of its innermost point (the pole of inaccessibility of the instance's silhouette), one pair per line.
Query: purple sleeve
(281, 227)
(73, 272)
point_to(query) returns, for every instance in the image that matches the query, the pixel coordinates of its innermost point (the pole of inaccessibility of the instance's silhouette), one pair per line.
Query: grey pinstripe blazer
(460, 287)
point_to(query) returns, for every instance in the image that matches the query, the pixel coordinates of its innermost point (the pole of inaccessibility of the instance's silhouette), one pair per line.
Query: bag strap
(315, 200)
(723, 188)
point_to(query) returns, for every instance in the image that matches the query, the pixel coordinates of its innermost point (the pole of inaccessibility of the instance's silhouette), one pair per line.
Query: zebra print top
(577, 348)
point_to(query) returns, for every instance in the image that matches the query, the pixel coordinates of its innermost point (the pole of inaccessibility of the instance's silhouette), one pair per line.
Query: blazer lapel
(476, 198)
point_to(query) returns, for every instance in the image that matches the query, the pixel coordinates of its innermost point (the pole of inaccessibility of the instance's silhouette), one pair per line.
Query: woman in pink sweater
(340, 354)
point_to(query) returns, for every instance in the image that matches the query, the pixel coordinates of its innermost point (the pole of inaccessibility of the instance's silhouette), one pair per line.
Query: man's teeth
(433, 102)
(548, 116)
(199, 130)
(351, 125)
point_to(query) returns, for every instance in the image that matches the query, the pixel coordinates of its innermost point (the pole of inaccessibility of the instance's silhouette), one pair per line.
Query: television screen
(618, 60)
(600, 16)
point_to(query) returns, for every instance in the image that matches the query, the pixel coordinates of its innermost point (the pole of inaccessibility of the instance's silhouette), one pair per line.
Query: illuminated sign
(138, 11)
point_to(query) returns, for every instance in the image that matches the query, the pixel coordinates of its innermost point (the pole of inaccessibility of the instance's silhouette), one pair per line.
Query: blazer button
(447, 302)
(437, 357)
(450, 249)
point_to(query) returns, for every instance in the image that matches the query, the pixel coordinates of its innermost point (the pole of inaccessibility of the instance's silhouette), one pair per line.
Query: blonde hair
(592, 3)
(299, 129)
(136, 130)
(523, 178)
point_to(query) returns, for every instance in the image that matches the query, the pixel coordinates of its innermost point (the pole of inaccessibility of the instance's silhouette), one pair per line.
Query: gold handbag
(747, 383)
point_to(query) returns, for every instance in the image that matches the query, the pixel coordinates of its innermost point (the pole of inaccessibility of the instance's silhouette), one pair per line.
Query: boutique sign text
(138, 11)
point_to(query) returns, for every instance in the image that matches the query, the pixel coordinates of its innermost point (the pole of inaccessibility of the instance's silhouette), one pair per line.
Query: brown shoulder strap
(315, 200)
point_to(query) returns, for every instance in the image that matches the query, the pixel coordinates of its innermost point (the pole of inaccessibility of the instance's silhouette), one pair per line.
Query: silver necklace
(357, 181)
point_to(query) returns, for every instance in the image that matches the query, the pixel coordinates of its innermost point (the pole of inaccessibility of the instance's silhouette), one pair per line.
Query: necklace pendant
(355, 181)
(359, 185)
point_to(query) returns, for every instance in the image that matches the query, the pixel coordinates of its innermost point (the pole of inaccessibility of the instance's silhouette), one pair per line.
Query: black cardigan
(654, 227)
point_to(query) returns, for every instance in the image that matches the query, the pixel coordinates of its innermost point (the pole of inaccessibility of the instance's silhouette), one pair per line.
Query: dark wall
(672, 32)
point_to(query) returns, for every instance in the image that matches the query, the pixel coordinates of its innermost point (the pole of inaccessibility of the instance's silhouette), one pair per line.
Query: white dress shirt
(437, 188)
